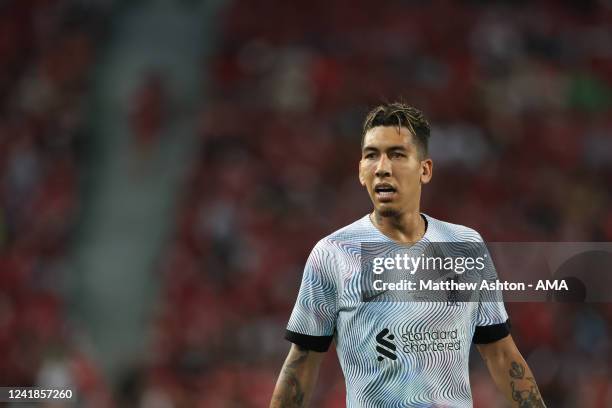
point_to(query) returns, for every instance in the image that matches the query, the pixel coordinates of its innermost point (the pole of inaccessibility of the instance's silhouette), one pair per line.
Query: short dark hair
(400, 115)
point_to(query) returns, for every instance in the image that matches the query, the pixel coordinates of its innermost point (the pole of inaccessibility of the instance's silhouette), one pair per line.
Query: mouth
(384, 192)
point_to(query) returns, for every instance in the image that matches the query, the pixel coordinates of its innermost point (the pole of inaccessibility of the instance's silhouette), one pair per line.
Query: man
(378, 370)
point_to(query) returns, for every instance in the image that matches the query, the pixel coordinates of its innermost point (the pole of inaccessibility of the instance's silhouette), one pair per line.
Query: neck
(405, 228)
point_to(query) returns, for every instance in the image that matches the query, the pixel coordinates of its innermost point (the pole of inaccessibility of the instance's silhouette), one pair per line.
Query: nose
(383, 167)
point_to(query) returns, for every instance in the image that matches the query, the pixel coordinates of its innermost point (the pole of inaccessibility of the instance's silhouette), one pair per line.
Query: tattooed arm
(297, 378)
(511, 373)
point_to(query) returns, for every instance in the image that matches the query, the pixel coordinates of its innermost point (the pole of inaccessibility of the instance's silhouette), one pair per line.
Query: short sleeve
(313, 320)
(492, 322)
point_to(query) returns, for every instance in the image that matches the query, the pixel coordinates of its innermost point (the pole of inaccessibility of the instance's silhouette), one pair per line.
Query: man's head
(394, 158)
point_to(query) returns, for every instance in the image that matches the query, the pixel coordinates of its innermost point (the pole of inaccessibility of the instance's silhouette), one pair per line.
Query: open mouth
(384, 191)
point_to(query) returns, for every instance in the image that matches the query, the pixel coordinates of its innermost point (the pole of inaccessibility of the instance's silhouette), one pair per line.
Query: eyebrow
(372, 148)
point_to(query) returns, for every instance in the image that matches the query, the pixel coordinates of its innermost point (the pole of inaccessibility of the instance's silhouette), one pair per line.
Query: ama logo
(384, 346)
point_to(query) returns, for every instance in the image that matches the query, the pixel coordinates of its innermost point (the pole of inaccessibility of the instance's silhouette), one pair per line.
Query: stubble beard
(379, 214)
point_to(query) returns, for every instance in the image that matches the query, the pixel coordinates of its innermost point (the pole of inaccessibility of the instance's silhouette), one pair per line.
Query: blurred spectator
(148, 113)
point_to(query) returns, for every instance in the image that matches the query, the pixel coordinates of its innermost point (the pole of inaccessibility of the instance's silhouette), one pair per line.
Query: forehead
(382, 136)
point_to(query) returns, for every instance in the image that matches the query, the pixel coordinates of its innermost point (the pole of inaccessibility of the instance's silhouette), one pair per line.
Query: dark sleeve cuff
(314, 343)
(490, 334)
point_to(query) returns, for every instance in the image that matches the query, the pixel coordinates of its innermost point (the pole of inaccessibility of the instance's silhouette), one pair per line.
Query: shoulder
(346, 239)
(356, 232)
(443, 231)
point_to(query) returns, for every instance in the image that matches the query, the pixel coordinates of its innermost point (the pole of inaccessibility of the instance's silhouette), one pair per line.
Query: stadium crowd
(46, 55)
(519, 95)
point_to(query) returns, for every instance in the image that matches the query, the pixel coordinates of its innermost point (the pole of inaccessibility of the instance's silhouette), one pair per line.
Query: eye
(396, 155)
(369, 155)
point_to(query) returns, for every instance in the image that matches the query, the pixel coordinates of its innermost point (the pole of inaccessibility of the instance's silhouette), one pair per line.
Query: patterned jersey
(392, 354)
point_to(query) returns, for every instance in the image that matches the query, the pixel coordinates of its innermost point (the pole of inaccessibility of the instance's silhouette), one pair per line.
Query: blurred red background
(519, 95)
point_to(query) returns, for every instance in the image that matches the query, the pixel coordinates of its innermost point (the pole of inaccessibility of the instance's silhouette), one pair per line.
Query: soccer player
(378, 342)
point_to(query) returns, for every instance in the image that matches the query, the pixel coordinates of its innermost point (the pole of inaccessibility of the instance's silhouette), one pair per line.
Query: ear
(426, 170)
(361, 177)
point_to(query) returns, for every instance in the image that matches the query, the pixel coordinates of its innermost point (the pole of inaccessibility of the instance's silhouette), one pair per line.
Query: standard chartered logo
(385, 346)
(417, 342)
(430, 340)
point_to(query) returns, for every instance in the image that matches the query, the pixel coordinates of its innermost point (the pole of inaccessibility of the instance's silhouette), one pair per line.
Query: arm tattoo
(528, 396)
(293, 394)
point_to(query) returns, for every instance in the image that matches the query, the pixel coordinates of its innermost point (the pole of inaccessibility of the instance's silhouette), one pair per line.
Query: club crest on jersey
(385, 346)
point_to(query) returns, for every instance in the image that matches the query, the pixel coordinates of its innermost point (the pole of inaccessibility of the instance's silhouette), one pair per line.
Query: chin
(387, 212)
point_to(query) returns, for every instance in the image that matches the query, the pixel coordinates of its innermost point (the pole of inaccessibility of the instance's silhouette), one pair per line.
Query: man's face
(392, 170)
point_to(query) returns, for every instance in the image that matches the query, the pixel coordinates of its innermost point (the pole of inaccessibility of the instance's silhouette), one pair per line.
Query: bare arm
(511, 373)
(297, 378)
